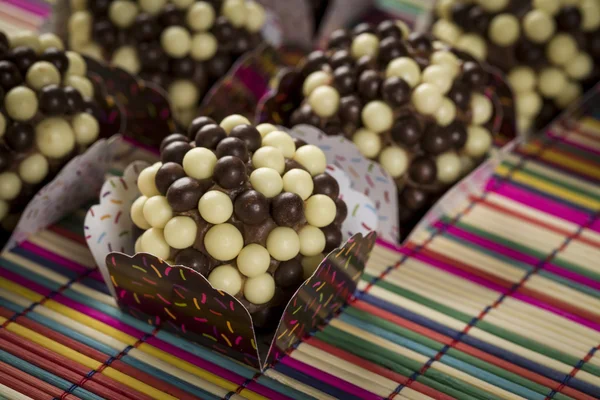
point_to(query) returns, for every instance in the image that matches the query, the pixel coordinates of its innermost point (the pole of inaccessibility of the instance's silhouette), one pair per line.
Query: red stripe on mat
(75, 237)
(28, 385)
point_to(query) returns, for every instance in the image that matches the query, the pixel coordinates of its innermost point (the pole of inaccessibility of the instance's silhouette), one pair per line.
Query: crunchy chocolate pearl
(569, 18)
(327, 185)
(390, 48)
(396, 91)
(474, 75)
(171, 15)
(314, 61)
(458, 134)
(389, 28)
(249, 135)
(251, 207)
(5, 158)
(166, 175)
(364, 63)
(478, 20)
(56, 57)
(52, 100)
(287, 209)
(9, 75)
(230, 172)
(407, 131)
(289, 274)
(209, 136)
(350, 108)
(333, 237)
(423, 170)
(19, 136)
(172, 138)
(199, 123)
(529, 53)
(368, 84)
(219, 64)
(460, 94)
(184, 194)
(174, 152)
(23, 57)
(435, 140)
(339, 39)
(363, 27)
(145, 28)
(193, 259)
(340, 58)
(341, 211)
(412, 198)
(105, 33)
(74, 100)
(421, 42)
(232, 146)
(344, 80)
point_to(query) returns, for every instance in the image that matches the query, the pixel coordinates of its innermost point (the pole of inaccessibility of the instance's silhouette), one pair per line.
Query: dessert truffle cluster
(183, 46)
(250, 208)
(46, 115)
(549, 49)
(406, 101)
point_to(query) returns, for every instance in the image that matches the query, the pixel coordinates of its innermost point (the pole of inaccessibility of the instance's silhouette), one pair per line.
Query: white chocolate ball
(153, 242)
(538, 26)
(183, 94)
(474, 45)
(199, 163)
(266, 181)
(314, 80)
(504, 30)
(176, 41)
(223, 242)
(79, 27)
(446, 30)
(562, 49)
(448, 167)
(34, 169)
(551, 82)
(137, 213)
(522, 79)
(41, 74)
(580, 67)
(215, 207)
(479, 141)
(2, 124)
(92, 50)
(447, 59)
(493, 5)
(10, 186)
(182, 4)
(255, 17)
(21, 103)
(427, 98)
(4, 207)
(77, 65)
(263, 129)
(126, 57)
(481, 109)
(394, 160)
(137, 247)
(439, 76)
(319, 210)
(529, 104)
(83, 85)
(443, 9)
(26, 39)
(324, 101)
(86, 128)
(446, 113)
(180, 232)
(152, 7)
(377, 116)
(235, 12)
(310, 265)
(226, 278)
(312, 158)
(253, 260)
(551, 7)
(298, 181)
(312, 240)
(590, 13)
(200, 16)
(283, 243)
(232, 121)
(260, 289)
(122, 13)
(367, 142)
(405, 68)
(54, 137)
(204, 46)
(403, 27)
(269, 157)
(568, 95)
(365, 44)
(146, 181)
(282, 141)
(157, 211)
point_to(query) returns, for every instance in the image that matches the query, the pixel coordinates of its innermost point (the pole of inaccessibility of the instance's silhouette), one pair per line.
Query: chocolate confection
(227, 204)
(405, 100)
(44, 119)
(183, 46)
(547, 48)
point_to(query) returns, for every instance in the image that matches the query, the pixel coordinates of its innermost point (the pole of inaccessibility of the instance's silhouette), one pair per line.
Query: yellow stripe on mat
(575, 164)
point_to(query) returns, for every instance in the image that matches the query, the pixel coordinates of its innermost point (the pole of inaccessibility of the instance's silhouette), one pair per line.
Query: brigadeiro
(248, 207)
(44, 120)
(548, 48)
(184, 46)
(405, 100)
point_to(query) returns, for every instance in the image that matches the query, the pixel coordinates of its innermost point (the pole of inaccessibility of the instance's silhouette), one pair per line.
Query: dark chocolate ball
(287, 209)
(2, 94)
(232, 146)
(56, 57)
(569, 18)
(172, 138)
(368, 85)
(219, 64)
(93, 108)
(19, 136)
(593, 44)
(460, 94)
(249, 134)
(23, 57)
(407, 131)
(52, 100)
(105, 33)
(197, 124)
(413, 198)
(74, 100)
(4, 40)
(333, 237)
(340, 58)
(230, 172)
(314, 61)
(266, 319)
(530, 53)
(327, 185)
(193, 259)
(223, 31)
(184, 194)
(99, 7)
(395, 91)
(289, 274)
(458, 134)
(9, 75)
(5, 158)
(341, 211)
(391, 48)
(145, 28)
(299, 142)
(241, 42)
(474, 75)
(350, 107)
(389, 28)
(171, 15)
(251, 207)
(460, 13)
(344, 80)
(174, 152)
(183, 67)
(339, 39)
(209, 136)
(435, 140)
(200, 77)
(305, 115)
(152, 56)
(423, 170)
(421, 42)
(332, 128)
(363, 27)
(364, 63)
(166, 175)
(478, 20)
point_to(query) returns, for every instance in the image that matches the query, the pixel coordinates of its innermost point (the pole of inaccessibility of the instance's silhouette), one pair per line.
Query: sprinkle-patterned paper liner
(183, 301)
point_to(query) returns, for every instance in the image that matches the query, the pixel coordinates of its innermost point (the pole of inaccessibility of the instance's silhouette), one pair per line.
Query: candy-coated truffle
(226, 278)
(253, 260)
(223, 242)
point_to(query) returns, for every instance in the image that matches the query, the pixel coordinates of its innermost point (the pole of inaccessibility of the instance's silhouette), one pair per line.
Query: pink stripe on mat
(32, 7)
(573, 144)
